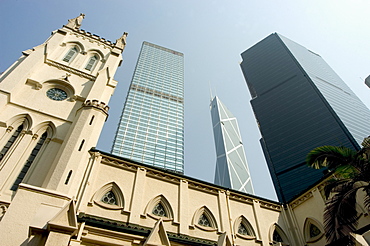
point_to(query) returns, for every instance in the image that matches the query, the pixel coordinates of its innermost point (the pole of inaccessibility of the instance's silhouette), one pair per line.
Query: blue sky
(211, 34)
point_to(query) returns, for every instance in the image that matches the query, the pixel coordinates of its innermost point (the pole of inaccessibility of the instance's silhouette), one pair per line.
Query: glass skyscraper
(151, 128)
(231, 166)
(300, 103)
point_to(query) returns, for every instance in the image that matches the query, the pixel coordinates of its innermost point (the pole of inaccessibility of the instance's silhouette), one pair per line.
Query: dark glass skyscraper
(300, 103)
(151, 128)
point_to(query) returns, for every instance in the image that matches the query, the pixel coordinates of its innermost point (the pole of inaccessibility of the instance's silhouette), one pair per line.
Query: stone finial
(75, 23)
(121, 42)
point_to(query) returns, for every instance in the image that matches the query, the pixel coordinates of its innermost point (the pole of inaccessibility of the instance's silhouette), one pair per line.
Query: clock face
(56, 94)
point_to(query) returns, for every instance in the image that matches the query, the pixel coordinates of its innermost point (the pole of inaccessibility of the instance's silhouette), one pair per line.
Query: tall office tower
(300, 103)
(151, 128)
(231, 167)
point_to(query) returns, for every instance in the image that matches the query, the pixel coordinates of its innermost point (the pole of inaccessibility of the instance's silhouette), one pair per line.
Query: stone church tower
(53, 104)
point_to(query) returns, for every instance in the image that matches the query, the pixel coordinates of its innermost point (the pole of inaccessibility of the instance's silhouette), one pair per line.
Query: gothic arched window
(91, 63)
(29, 161)
(204, 219)
(70, 54)
(243, 228)
(313, 230)
(10, 142)
(278, 236)
(109, 196)
(159, 207)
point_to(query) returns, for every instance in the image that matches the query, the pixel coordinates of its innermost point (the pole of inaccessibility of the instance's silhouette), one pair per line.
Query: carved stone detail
(3, 209)
(301, 199)
(71, 70)
(241, 198)
(93, 38)
(271, 206)
(163, 176)
(75, 23)
(201, 187)
(9, 129)
(96, 104)
(121, 42)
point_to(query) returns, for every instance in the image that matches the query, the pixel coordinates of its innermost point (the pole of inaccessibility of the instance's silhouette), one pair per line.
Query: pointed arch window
(91, 63)
(10, 142)
(71, 54)
(204, 219)
(243, 228)
(159, 208)
(29, 161)
(313, 230)
(109, 196)
(277, 236)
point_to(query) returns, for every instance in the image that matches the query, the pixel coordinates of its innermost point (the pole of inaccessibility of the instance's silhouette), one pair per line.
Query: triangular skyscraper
(232, 167)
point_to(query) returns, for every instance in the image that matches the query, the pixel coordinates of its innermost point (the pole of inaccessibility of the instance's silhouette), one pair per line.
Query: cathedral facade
(56, 189)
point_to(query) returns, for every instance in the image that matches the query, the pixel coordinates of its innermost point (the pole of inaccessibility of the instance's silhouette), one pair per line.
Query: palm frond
(340, 216)
(333, 185)
(330, 157)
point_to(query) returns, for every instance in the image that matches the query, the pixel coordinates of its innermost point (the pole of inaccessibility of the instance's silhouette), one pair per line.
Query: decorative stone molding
(36, 85)
(201, 187)
(241, 198)
(269, 205)
(301, 199)
(163, 176)
(96, 104)
(93, 38)
(119, 163)
(92, 224)
(70, 69)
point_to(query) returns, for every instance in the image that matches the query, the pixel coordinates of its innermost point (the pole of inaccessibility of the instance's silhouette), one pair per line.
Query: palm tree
(350, 173)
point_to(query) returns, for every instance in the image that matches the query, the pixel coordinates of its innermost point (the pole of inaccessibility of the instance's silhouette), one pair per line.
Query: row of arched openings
(110, 196)
(75, 48)
(14, 136)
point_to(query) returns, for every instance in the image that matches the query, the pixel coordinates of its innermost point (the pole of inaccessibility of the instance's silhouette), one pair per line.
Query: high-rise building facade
(231, 166)
(300, 103)
(150, 130)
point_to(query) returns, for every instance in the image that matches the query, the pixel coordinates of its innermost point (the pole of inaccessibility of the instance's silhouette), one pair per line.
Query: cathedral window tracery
(204, 221)
(109, 198)
(243, 228)
(159, 210)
